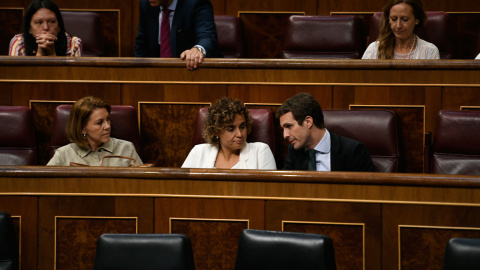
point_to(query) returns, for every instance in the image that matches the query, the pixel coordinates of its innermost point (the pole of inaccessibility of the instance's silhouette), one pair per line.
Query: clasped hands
(46, 44)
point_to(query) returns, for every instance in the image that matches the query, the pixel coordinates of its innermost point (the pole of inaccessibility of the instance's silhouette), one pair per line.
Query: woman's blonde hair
(79, 115)
(220, 115)
(386, 38)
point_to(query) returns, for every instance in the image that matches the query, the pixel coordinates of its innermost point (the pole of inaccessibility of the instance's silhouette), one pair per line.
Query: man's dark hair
(302, 105)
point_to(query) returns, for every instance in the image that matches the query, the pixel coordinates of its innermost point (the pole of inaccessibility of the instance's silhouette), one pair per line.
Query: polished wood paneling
(110, 20)
(454, 97)
(161, 129)
(214, 242)
(348, 241)
(423, 232)
(335, 203)
(43, 113)
(5, 94)
(344, 222)
(134, 93)
(24, 207)
(214, 225)
(263, 33)
(76, 238)
(11, 24)
(280, 93)
(22, 93)
(83, 233)
(430, 242)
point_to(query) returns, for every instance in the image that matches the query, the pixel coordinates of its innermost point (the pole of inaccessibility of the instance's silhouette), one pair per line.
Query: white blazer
(255, 155)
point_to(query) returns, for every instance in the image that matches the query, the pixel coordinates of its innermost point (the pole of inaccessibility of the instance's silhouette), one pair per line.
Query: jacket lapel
(335, 159)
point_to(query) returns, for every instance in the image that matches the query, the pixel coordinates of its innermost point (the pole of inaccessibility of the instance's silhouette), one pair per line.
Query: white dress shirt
(322, 153)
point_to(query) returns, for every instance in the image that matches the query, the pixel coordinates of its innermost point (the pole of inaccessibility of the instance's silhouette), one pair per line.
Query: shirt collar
(325, 144)
(172, 6)
(83, 151)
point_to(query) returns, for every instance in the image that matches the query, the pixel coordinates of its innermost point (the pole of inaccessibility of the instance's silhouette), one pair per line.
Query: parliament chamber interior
(419, 119)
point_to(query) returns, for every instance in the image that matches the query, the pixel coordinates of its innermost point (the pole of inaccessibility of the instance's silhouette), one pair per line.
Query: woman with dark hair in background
(44, 33)
(397, 39)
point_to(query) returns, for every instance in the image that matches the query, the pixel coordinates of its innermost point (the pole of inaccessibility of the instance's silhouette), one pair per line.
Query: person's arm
(76, 47)
(205, 36)
(193, 157)
(362, 161)
(266, 161)
(370, 52)
(58, 159)
(289, 163)
(17, 46)
(134, 154)
(141, 42)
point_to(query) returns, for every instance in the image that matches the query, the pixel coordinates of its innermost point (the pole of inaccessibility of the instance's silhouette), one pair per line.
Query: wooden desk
(377, 221)
(167, 95)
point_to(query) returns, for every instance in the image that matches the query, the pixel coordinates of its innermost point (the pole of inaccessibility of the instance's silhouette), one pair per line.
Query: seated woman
(397, 39)
(88, 129)
(225, 131)
(44, 33)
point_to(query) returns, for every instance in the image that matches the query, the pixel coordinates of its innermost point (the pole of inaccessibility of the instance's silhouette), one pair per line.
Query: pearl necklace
(413, 45)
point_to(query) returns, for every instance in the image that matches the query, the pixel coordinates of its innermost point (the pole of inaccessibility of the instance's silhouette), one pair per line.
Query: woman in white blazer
(225, 131)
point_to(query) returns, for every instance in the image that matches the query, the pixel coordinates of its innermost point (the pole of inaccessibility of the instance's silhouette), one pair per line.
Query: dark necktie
(312, 160)
(165, 50)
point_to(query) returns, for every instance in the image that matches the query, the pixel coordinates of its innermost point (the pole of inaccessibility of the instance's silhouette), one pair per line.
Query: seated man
(313, 147)
(177, 28)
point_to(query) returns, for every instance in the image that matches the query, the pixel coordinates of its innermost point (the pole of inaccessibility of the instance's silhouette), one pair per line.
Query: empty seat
(265, 250)
(436, 31)
(144, 251)
(323, 37)
(456, 147)
(229, 36)
(376, 129)
(262, 129)
(124, 124)
(8, 245)
(462, 253)
(87, 26)
(17, 138)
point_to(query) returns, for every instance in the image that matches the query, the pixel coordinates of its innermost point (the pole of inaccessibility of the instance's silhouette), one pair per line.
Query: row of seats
(257, 250)
(306, 36)
(323, 37)
(454, 151)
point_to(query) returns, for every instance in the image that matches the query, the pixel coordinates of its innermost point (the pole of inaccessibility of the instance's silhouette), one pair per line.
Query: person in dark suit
(312, 146)
(193, 35)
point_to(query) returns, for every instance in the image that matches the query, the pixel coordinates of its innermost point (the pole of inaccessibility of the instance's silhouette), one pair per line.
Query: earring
(85, 136)
(216, 137)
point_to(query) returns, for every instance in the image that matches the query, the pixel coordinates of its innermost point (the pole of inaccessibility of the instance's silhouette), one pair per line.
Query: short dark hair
(30, 41)
(302, 105)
